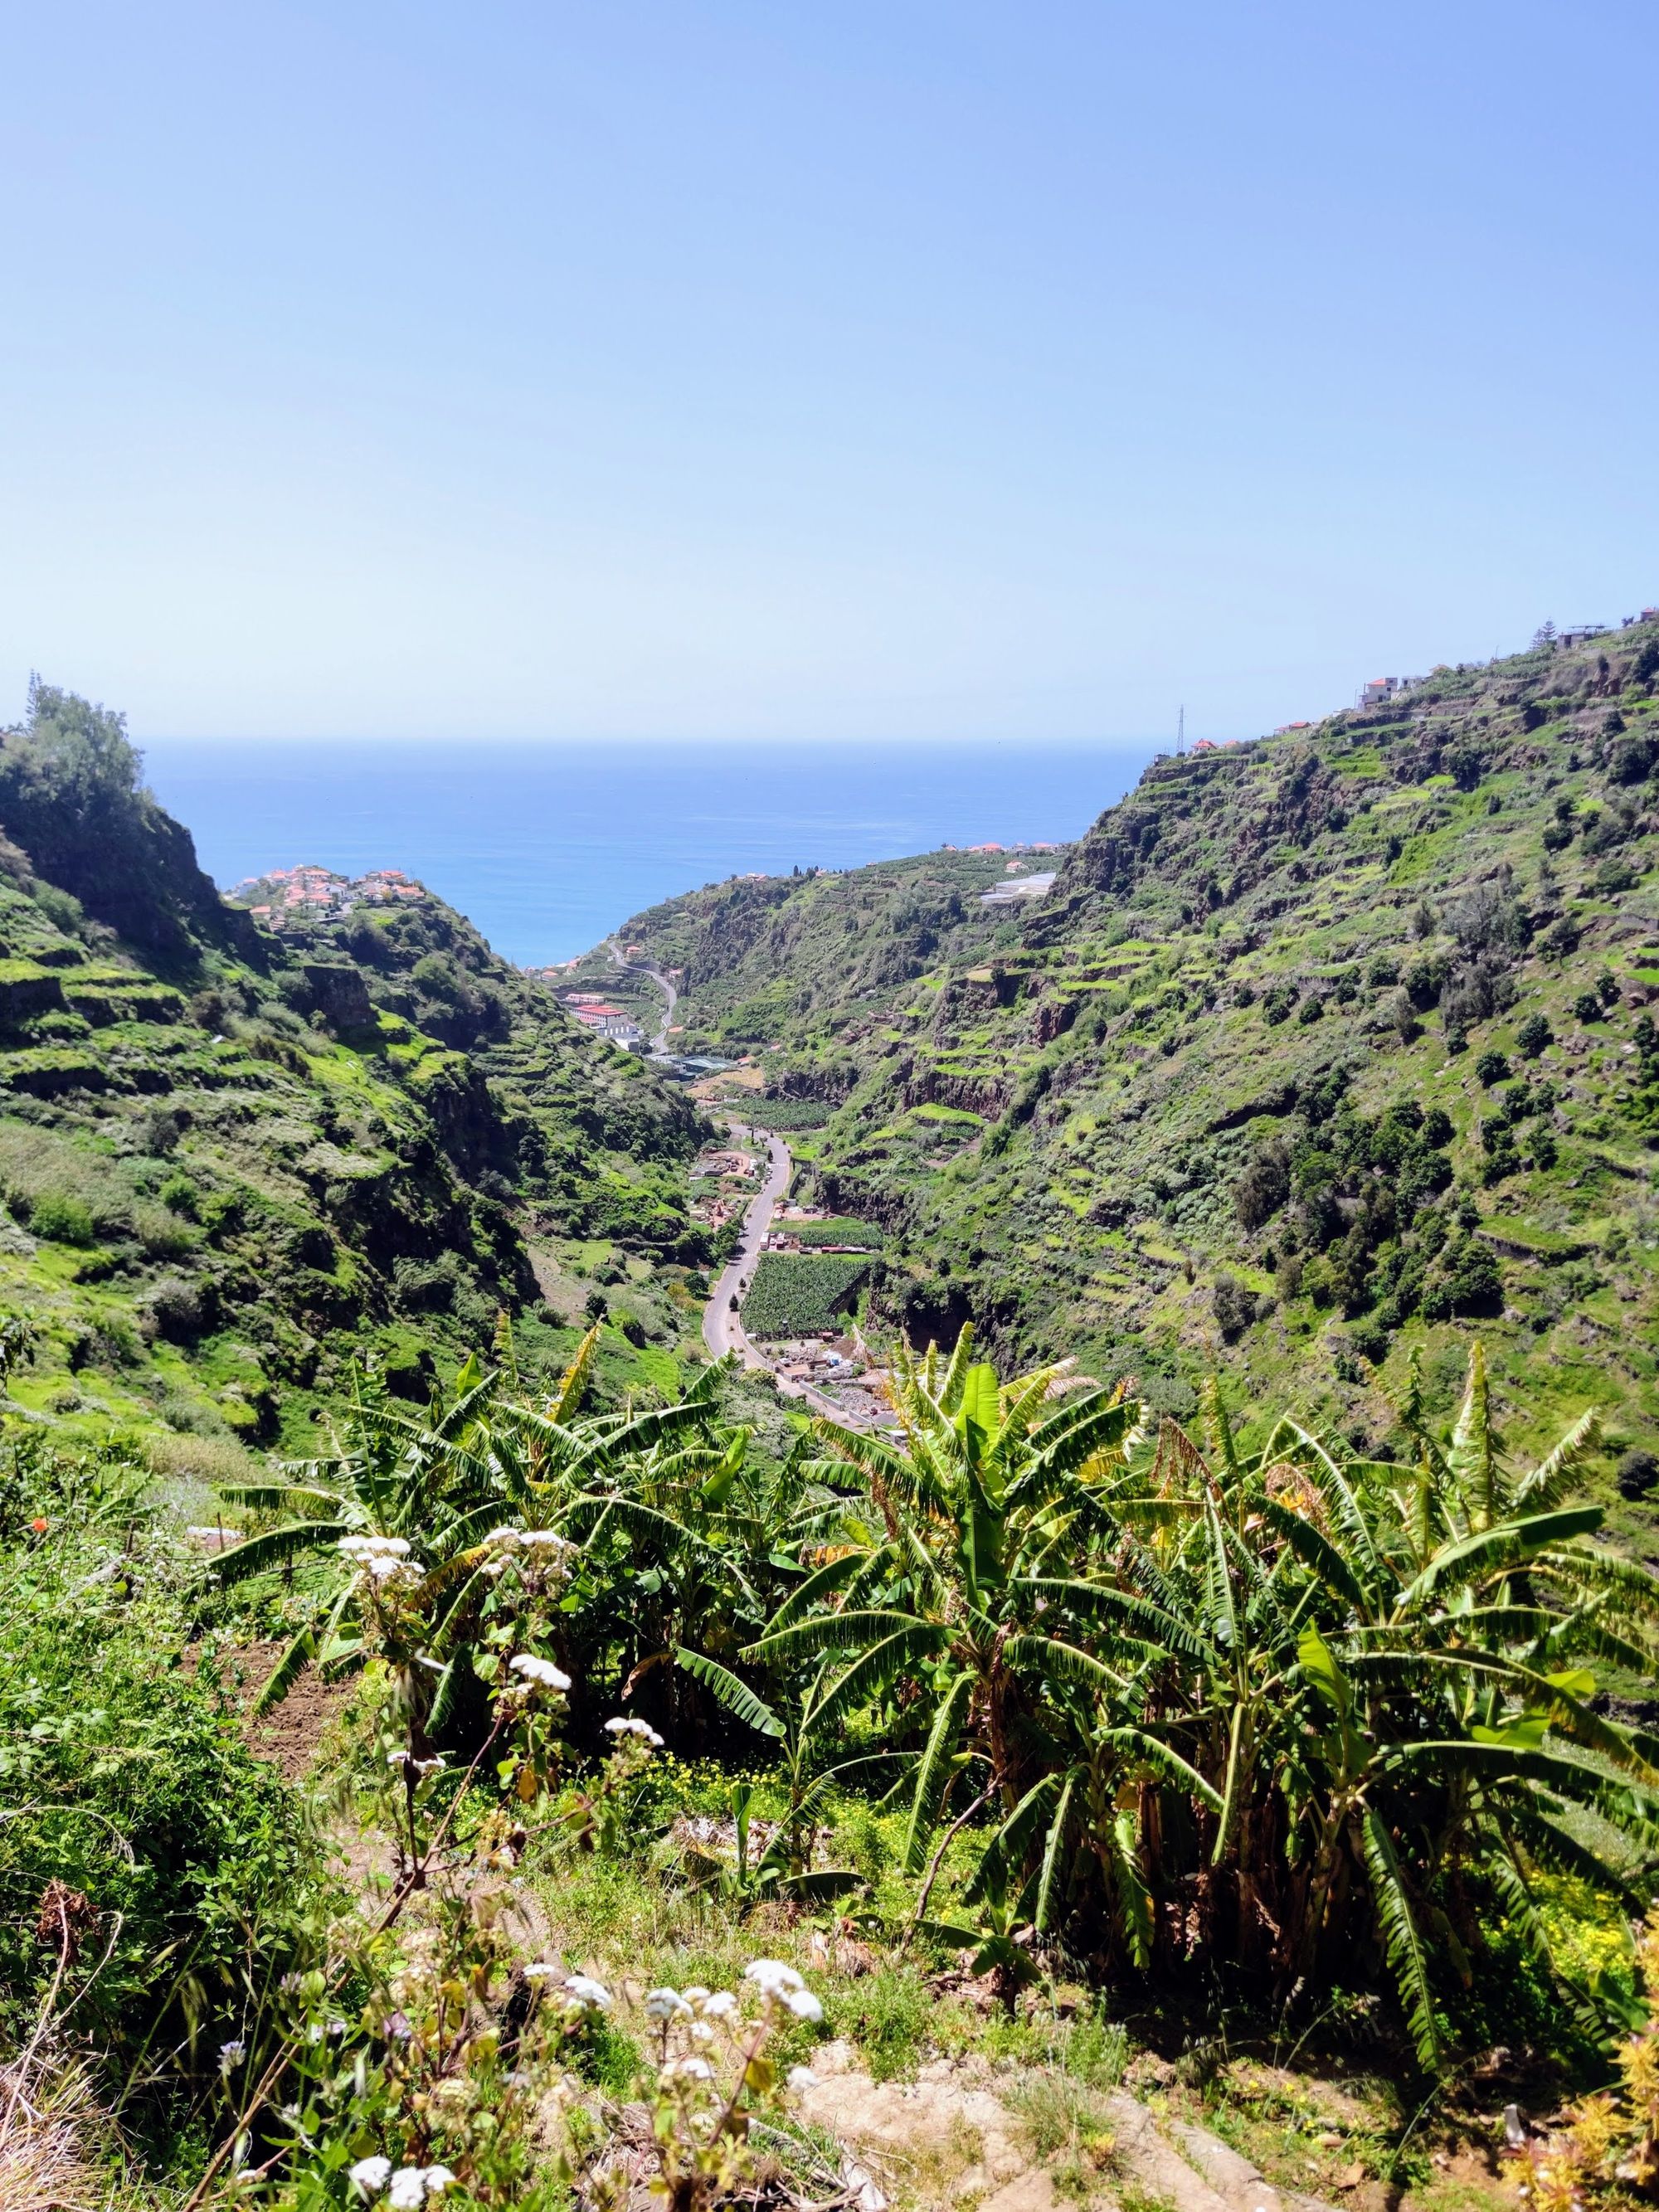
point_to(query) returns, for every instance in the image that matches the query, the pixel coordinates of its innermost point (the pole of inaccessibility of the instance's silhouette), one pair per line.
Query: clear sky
(764, 368)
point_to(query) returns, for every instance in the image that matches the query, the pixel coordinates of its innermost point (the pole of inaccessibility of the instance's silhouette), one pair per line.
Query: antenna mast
(1181, 731)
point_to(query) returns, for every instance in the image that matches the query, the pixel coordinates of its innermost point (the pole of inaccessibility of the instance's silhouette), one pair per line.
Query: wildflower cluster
(1610, 2143)
(529, 1707)
(435, 2085)
(575, 1997)
(405, 2187)
(538, 1554)
(382, 1561)
(714, 2078)
(599, 1819)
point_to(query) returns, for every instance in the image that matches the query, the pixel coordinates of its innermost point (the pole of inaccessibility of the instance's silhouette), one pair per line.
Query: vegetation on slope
(762, 957)
(1050, 1695)
(1321, 1045)
(231, 1161)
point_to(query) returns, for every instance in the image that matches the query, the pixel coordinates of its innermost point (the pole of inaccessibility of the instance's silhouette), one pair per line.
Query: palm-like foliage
(996, 1489)
(1280, 1706)
(396, 1471)
(676, 1539)
(685, 1541)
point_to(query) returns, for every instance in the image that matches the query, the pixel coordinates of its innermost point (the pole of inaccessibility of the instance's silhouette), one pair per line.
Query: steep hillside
(1318, 1045)
(232, 1157)
(764, 958)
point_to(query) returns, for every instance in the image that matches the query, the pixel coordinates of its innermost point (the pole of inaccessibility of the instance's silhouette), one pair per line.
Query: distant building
(1017, 888)
(1381, 688)
(987, 848)
(1577, 633)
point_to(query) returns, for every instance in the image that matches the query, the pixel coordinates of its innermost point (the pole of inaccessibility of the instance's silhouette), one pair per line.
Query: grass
(836, 1231)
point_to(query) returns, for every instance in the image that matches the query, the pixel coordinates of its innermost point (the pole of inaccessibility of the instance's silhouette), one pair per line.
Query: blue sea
(547, 847)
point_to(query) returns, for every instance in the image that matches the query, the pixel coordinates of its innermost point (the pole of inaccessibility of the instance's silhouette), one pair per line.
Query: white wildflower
(385, 1566)
(772, 1978)
(542, 1672)
(804, 2005)
(802, 2078)
(666, 2005)
(371, 2174)
(588, 1993)
(541, 1971)
(544, 1540)
(685, 2069)
(722, 2005)
(232, 2054)
(643, 1729)
(437, 2180)
(408, 2190)
(503, 1537)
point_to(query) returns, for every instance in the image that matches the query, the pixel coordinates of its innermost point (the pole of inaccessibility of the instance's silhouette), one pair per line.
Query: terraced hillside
(1321, 1045)
(767, 957)
(230, 1160)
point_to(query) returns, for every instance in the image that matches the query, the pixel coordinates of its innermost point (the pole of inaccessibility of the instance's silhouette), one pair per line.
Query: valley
(1320, 1050)
(945, 1532)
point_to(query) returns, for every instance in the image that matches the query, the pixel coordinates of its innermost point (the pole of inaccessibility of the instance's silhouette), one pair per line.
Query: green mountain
(1320, 1049)
(233, 1157)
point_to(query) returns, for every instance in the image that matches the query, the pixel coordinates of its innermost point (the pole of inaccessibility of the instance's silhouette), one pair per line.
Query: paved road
(660, 1041)
(722, 1329)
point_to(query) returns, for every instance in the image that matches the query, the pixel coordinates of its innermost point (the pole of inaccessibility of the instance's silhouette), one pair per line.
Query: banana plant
(1269, 1704)
(406, 1478)
(993, 1488)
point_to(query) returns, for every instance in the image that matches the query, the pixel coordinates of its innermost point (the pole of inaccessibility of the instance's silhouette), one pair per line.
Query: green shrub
(62, 1217)
(163, 1235)
(179, 1196)
(124, 1778)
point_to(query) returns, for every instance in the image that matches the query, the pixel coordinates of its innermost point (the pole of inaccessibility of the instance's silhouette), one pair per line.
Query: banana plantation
(1173, 1709)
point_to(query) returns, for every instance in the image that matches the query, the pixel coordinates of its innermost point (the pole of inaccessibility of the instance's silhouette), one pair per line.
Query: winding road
(722, 1328)
(660, 1041)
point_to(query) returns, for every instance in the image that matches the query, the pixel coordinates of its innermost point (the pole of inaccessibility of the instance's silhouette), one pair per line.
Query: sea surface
(547, 847)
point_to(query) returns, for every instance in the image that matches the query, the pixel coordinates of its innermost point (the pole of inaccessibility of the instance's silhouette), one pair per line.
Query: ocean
(547, 847)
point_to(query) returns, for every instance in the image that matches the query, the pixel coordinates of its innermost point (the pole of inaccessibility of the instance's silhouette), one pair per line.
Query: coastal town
(283, 896)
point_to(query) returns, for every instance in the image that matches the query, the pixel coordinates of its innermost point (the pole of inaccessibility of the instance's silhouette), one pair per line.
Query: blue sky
(913, 370)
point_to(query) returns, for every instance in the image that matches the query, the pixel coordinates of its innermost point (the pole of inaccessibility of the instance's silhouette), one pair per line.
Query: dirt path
(949, 2138)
